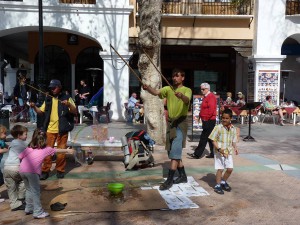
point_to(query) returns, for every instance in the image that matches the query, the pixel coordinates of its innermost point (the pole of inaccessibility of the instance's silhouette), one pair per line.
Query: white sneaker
(42, 215)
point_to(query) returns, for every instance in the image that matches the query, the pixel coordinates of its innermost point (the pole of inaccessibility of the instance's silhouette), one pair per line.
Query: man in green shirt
(178, 100)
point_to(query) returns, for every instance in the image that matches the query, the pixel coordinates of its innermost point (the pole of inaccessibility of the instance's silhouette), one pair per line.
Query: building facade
(276, 49)
(235, 45)
(77, 38)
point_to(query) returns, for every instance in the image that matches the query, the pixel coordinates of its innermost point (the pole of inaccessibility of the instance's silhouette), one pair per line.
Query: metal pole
(283, 90)
(41, 41)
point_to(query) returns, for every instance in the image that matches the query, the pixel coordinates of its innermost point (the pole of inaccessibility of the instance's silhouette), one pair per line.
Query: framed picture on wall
(72, 39)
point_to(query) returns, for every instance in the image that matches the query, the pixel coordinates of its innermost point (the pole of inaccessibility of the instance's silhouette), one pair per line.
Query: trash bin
(4, 118)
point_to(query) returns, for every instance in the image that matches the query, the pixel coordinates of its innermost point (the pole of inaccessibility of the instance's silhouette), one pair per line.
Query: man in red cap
(56, 127)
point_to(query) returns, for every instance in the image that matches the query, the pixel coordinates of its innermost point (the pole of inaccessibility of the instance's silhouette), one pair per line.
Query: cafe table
(290, 111)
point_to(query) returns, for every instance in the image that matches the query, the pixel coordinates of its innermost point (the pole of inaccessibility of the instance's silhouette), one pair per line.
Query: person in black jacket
(59, 110)
(32, 96)
(20, 93)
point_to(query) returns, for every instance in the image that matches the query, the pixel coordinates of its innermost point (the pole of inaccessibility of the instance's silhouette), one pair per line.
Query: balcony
(78, 1)
(292, 7)
(208, 7)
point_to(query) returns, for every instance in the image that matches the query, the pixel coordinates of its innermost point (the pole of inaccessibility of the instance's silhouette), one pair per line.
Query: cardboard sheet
(99, 200)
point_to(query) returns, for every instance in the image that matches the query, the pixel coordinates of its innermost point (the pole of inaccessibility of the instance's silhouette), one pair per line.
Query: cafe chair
(104, 111)
(127, 111)
(267, 114)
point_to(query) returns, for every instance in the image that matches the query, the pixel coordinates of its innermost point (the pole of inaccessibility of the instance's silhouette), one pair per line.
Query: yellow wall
(59, 39)
(203, 28)
(206, 28)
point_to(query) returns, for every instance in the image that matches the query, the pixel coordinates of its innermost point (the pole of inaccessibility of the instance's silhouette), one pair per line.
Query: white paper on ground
(177, 196)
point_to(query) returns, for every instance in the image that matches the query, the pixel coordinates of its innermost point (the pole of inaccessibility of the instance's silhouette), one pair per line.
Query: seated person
(291, 104)
(134, 108)
(241, 100)
(228, 100)
(274, 109)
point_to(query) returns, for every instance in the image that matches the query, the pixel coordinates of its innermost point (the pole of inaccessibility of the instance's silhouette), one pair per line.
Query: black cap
(54, 83)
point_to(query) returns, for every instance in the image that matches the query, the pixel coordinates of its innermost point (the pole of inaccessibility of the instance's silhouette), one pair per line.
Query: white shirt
(131, 102)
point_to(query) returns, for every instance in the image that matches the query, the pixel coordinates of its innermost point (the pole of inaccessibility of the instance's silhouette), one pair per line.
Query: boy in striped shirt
(224, 137)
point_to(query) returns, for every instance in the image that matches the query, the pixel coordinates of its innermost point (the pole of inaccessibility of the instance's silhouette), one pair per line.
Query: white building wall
(273, 27)
(270, 27)
(115, 78)
(106, 22)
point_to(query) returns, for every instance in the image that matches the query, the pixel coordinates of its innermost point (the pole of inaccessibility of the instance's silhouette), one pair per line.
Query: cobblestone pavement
(265, 182)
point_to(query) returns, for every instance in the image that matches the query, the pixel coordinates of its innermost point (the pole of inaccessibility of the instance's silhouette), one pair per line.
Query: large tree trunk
(149, 42)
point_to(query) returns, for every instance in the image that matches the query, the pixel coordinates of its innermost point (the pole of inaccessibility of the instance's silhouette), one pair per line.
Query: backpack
(142, 136)
(138, 148)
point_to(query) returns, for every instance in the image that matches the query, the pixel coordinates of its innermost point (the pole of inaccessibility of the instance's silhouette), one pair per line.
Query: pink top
(32, 159)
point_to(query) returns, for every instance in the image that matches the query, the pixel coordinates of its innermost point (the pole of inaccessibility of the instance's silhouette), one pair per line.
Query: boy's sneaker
(28, 212)
(226, 187)
(21, 207)
(42, 215)
(218, 190)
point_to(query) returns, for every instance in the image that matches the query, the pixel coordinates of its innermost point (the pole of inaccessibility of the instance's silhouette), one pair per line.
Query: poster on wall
(197, 123)
(267, 84)
(196, 107)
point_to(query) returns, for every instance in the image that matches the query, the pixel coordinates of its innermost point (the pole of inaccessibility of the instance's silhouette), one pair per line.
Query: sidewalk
(265, 182)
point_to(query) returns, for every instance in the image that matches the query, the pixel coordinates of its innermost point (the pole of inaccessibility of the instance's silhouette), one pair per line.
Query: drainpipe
(41, 41)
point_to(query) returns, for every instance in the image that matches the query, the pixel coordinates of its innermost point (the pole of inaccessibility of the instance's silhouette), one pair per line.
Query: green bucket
(115, 188)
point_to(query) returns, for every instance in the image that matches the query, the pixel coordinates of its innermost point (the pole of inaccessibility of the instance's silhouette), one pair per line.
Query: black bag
(57, 206)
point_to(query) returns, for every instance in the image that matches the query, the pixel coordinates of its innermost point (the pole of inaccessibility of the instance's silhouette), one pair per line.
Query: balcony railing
(65, 1)
(78, 1)
(292, 7)
(207, 7)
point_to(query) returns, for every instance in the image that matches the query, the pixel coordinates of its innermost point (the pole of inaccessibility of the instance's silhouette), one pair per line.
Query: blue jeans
(134, 113)
(33, 115)
(176, 146)
(21, 102)
(33, 193)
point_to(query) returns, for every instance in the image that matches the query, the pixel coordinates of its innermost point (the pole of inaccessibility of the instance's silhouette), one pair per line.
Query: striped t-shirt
(224, 137)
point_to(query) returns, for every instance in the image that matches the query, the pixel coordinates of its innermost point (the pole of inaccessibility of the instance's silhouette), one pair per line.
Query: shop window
(57, 65)
(134, 83)
(89, 67)
(205, 77)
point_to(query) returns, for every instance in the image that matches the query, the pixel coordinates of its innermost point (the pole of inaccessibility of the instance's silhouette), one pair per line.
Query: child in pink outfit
(30, 168)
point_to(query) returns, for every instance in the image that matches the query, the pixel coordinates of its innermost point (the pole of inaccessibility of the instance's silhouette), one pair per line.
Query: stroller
(138, 148)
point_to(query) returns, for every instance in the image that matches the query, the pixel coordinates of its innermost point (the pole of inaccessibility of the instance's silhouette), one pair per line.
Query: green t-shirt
(176, 107)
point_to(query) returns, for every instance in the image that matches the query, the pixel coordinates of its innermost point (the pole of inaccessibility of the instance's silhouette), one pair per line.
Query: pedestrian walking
(208, 115)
